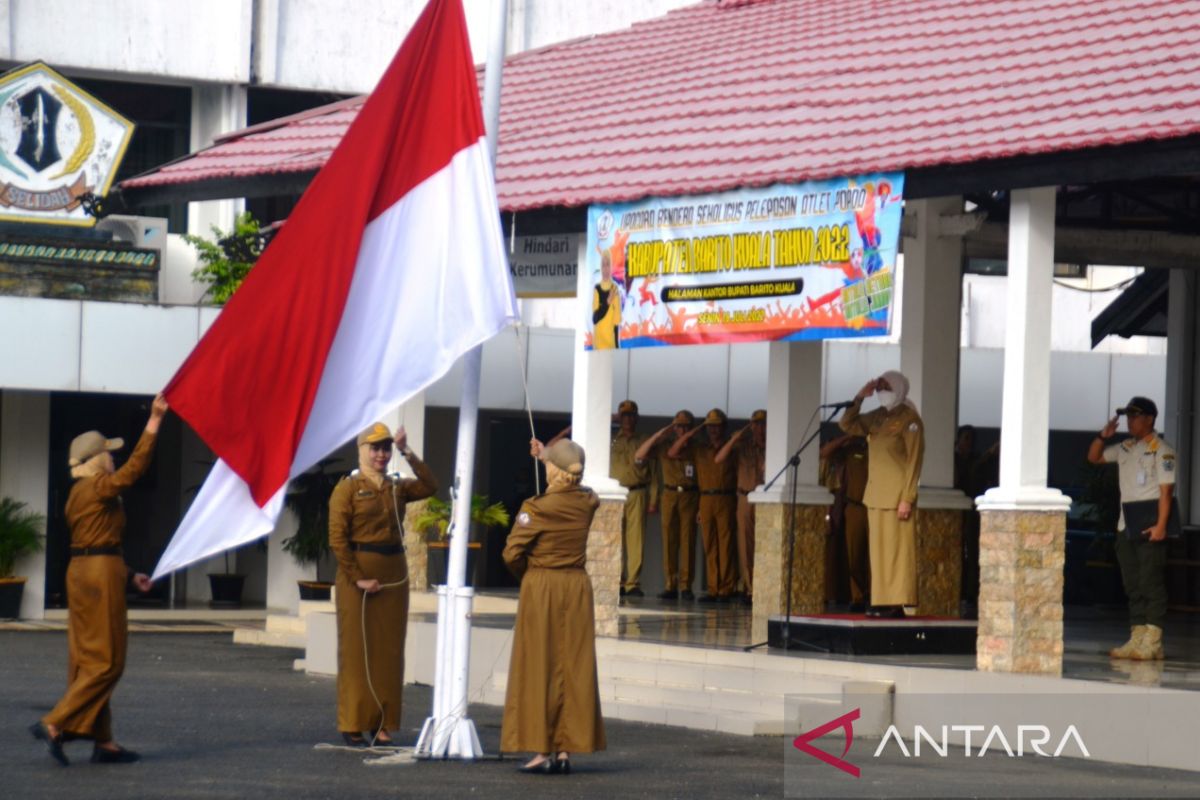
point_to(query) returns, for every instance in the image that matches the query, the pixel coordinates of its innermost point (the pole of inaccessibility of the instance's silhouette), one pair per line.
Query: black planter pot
(226, 590)
(10, 597)
(314, 590)
(438, 559)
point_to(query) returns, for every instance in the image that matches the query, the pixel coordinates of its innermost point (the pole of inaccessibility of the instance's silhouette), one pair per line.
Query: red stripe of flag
(248, 386)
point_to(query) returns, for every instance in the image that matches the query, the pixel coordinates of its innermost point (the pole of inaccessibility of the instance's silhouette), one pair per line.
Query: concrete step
(269, 638)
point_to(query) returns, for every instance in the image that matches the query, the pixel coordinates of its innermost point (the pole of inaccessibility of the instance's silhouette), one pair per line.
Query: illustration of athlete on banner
(787, 262)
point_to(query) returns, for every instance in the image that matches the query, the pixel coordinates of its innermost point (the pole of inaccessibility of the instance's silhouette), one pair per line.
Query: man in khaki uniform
(749, 449)
(718, 486)
(680, 503)
(1146, 466)
(895, 448)
(844, 473)
(636, 477)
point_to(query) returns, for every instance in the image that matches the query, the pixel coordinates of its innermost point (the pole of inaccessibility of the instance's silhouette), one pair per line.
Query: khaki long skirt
(553, 699)
(387, 626)
(893, 547)
(97, 634)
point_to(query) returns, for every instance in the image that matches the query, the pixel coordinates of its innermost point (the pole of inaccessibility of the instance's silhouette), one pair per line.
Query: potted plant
(20, 535)
(226, 587)
(227, 259)
(308, 498)
(435, 521)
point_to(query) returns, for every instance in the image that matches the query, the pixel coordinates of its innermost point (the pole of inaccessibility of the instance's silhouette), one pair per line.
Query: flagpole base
(449, 737)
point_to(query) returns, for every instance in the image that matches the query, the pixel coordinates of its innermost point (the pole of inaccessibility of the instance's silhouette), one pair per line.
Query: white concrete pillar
(25, 477)
(1179, 406)
(1025, 401)
(932, 297)
(216, 109)
(795, 377)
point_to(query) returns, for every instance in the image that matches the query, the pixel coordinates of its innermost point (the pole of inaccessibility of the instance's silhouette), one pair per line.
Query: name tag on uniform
(366, 493)
(689, 470)
(1141, 477)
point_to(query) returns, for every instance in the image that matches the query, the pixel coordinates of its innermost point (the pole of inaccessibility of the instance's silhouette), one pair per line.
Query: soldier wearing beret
(895, 449)
(366, 535)
(748, 447)
(637, 478)
(1146, 468)
(97, 633)
(680, 504)
(718, 488)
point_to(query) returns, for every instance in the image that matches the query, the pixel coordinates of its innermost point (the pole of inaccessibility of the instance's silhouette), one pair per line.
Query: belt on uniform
(680, 488)
(637, 486)
(717, 491)
(381, 549)
(110, 550)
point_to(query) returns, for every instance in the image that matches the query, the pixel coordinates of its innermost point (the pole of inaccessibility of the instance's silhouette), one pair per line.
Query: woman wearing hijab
(552, 705)
(895, 447)
(97, 633)
(366, 535)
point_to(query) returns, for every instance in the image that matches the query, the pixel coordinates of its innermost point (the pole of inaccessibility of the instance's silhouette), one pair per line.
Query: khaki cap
(566, 455)
(715, 417)
(376, 433)
(759, 416)
(91, 444)
(627, 407)
(684, 417)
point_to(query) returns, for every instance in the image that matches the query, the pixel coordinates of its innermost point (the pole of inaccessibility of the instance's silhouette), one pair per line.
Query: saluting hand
(1110, 429)
(867, 390)
(401, 439)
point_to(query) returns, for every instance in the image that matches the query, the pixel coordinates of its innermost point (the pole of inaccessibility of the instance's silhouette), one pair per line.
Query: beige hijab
(96, 465)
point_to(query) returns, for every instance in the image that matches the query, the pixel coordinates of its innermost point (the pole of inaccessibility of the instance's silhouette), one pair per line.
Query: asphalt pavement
(217, 720)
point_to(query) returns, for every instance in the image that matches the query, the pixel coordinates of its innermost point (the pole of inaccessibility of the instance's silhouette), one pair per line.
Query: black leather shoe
(384, 743)
(563, 766)
(353, 740)
(118, 756)
(53, 743)
(686, 594)
(546, 767)
(635, 592)
(709, 598)
(857, 608)
(668, 594)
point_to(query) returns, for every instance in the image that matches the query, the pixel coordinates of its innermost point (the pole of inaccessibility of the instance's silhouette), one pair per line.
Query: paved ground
(216, 720)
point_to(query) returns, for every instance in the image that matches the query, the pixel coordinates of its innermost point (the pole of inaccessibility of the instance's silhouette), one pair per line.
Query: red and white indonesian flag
(391, 267)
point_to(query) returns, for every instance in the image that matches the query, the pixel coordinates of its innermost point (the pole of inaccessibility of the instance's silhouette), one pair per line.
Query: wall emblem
(57, 144)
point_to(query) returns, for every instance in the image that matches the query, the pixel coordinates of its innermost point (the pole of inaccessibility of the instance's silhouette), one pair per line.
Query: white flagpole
(450, 733)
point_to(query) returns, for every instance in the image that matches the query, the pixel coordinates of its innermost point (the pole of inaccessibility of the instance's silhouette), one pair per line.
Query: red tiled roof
(731, 93)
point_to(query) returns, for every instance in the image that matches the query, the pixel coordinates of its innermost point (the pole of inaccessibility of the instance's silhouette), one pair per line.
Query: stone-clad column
(1023, 528)
(591, 427)
(793, 392)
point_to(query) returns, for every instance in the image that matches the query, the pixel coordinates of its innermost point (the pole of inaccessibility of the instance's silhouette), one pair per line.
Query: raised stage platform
(858, 635)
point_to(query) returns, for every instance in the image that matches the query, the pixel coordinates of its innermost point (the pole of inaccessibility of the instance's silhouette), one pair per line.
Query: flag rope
(537, 481)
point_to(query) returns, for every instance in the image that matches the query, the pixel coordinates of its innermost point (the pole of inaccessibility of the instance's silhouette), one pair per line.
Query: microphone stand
(793, 464)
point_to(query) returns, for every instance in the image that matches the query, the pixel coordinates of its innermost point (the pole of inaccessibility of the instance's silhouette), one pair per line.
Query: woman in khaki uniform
(96, 624)
(366, 535)
(895, 448)
(552, 705)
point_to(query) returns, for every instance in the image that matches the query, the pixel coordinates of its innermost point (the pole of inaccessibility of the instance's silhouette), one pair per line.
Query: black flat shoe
(669, 594)
(686, 594)
(709, 598)
(53, 743)
(353, 740)
(118, 756)
(563, 766)
(546, 767)
(385, 743)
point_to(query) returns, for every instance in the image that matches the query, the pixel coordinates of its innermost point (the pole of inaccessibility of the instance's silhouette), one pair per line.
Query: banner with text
(545, 265)
(787, 262)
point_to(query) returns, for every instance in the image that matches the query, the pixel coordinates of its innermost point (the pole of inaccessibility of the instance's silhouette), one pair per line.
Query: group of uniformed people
(695, 480)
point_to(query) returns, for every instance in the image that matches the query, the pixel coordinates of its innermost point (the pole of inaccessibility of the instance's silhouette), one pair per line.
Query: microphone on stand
(842, 404)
